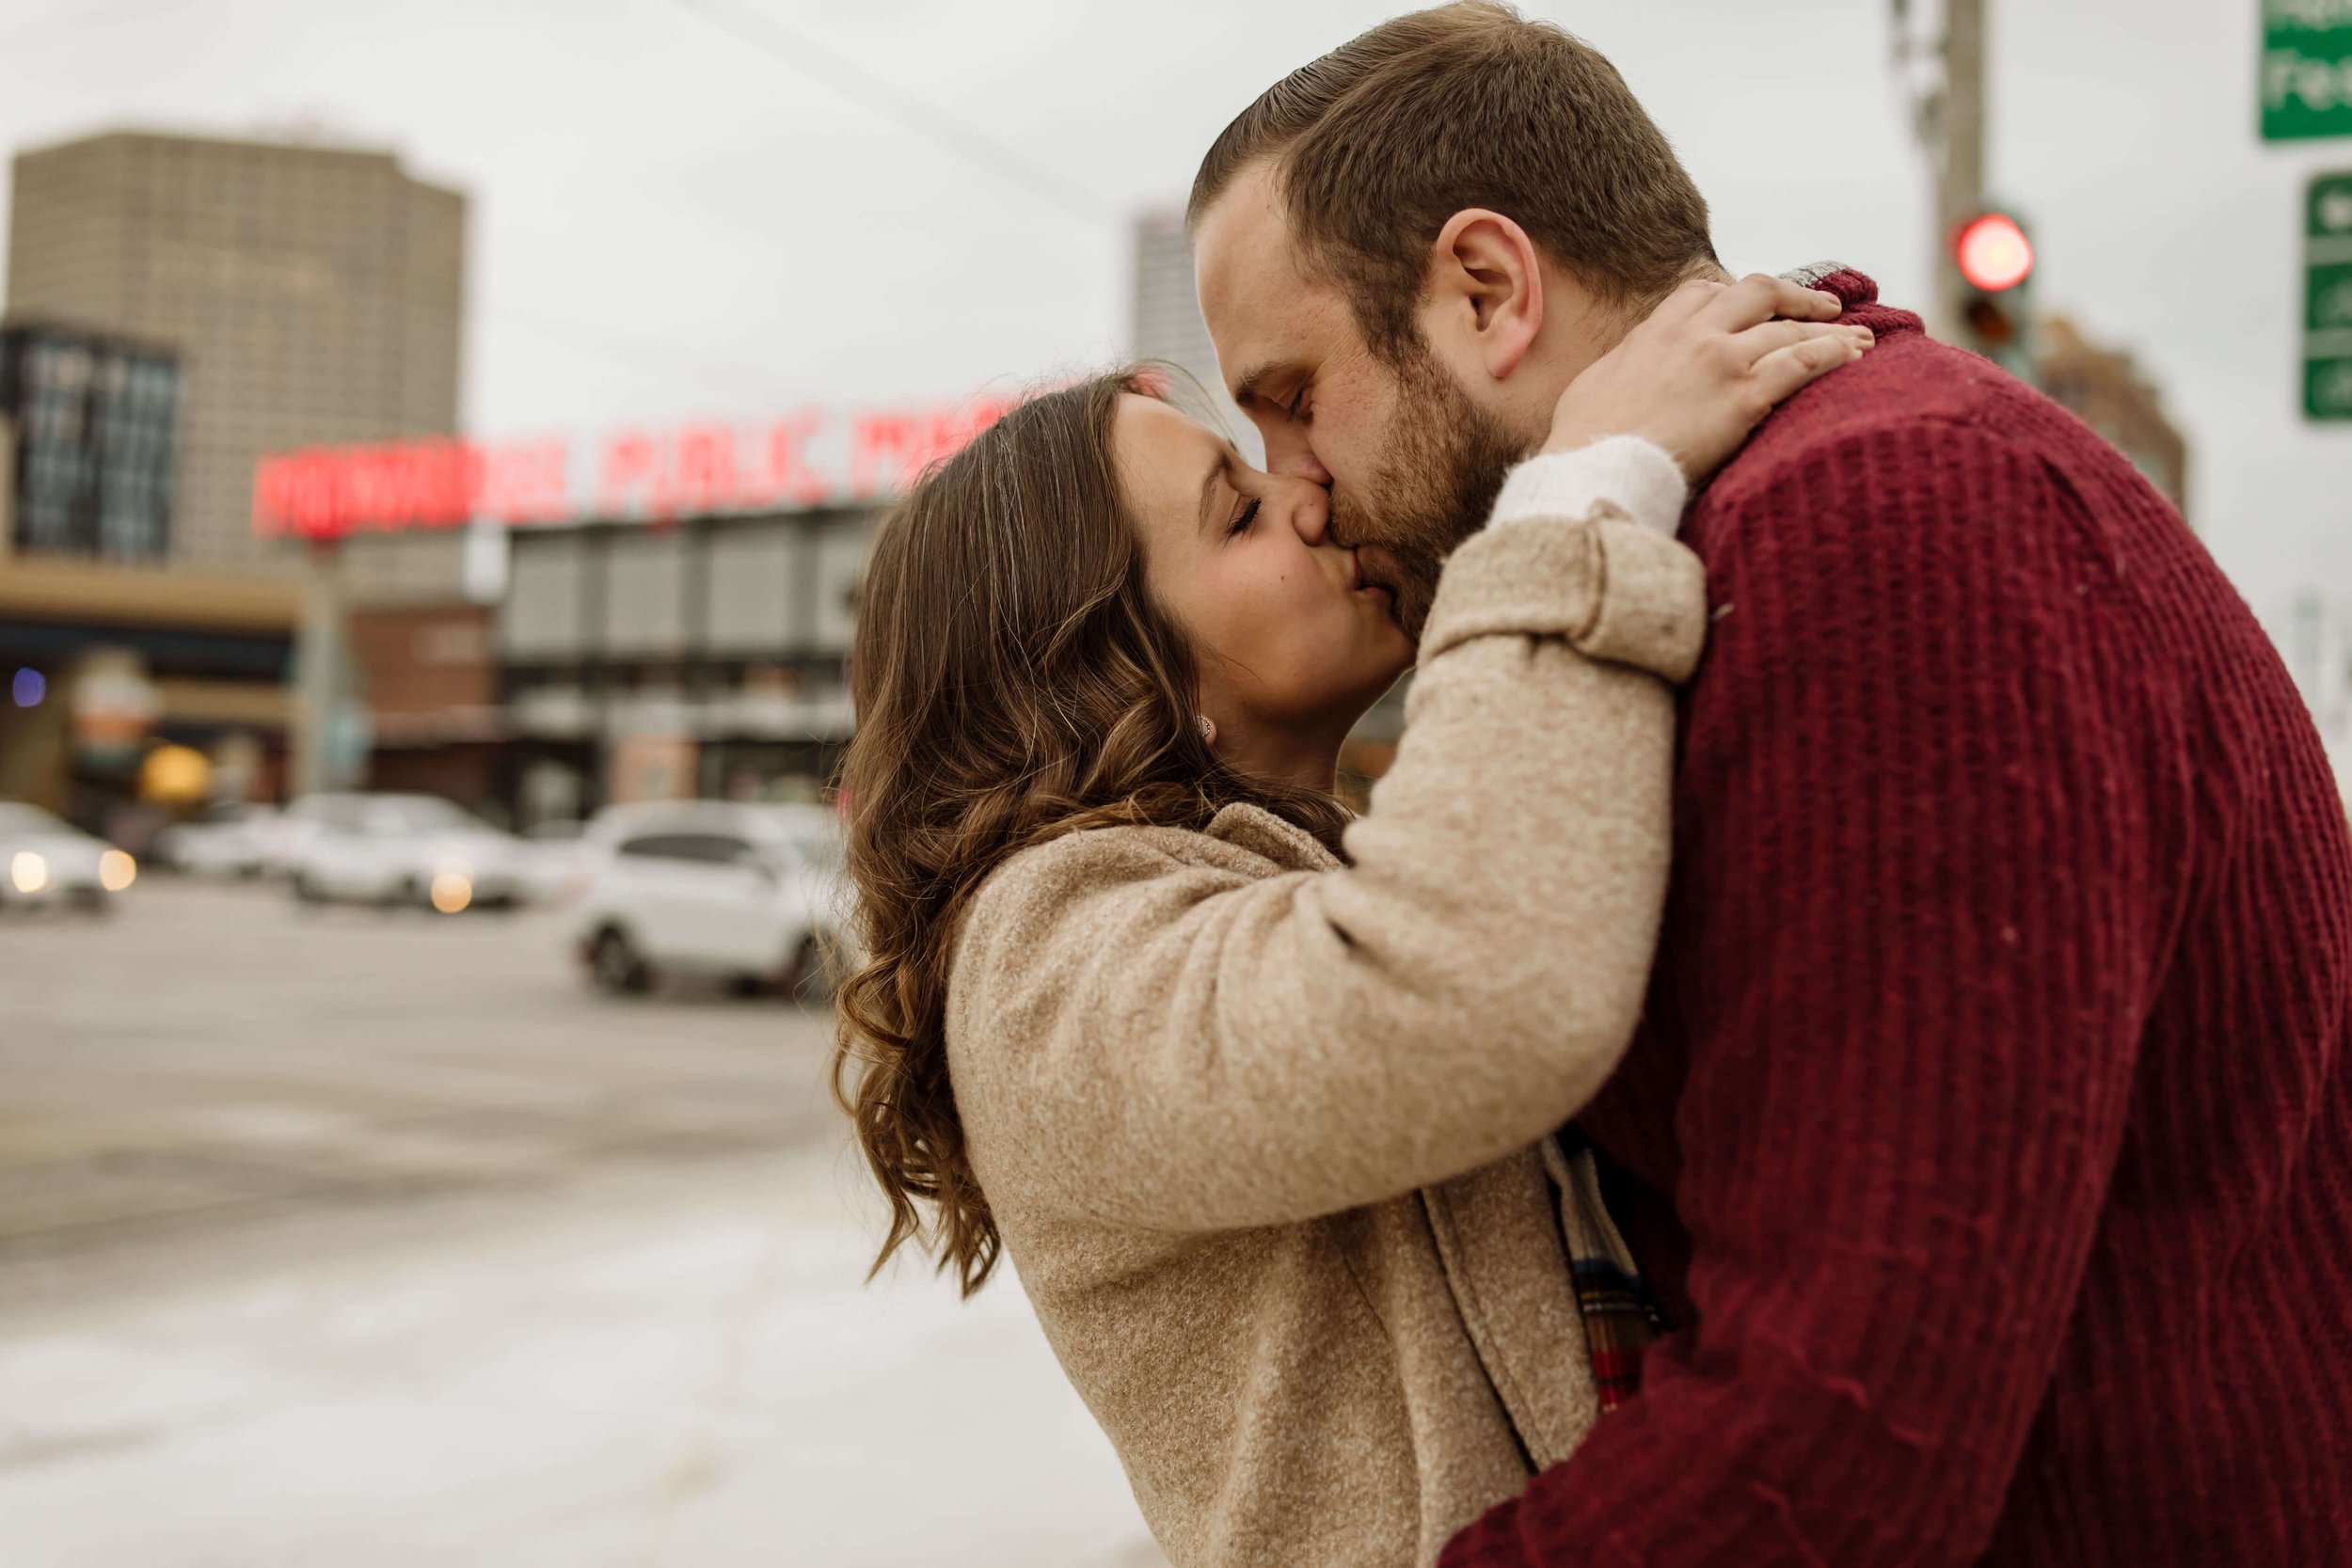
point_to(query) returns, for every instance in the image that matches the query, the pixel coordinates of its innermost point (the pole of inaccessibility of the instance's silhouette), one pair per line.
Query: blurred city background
(439, 449)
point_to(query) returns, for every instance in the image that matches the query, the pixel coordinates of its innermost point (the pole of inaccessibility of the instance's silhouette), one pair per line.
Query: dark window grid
(96, 465)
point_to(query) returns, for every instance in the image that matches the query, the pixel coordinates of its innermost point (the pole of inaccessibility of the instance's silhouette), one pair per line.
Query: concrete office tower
(314, 296)
(1166, 323)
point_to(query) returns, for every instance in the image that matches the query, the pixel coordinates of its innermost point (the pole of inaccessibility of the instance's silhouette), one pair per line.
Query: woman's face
(1288, 638)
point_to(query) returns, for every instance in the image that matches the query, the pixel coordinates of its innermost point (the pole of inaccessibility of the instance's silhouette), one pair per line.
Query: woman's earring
(1207, 726)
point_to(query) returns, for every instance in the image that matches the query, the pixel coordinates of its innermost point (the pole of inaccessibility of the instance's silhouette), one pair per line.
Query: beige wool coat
(1264, 1133)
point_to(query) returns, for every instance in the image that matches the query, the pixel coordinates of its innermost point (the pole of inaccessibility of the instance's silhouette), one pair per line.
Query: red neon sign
(807, 459)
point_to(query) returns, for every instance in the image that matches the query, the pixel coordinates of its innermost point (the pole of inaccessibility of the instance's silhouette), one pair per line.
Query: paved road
(218, 1059)
(351, 1238)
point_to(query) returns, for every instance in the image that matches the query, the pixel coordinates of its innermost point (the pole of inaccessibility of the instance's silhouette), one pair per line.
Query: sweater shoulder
(1086, 884)
(1911, 406)
(1032, 887)
(1030, 917)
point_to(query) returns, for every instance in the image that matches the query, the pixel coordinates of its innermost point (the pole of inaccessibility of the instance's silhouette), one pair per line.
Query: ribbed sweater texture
(1989, 1137)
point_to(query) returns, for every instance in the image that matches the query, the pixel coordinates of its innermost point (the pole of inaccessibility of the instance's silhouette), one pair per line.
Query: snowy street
(351, 1238)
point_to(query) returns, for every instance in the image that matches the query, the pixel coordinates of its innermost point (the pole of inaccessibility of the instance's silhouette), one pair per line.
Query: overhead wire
(831, 69)
(624, 349)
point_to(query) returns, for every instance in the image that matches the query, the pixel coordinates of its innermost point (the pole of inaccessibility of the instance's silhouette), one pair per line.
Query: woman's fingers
(1757, 341)
(1784, 371)
(1760, 296)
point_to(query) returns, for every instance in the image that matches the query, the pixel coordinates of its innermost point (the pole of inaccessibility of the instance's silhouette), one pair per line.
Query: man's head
(1407, 250)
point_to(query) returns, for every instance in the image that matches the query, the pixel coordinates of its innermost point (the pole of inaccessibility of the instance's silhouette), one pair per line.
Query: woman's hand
(1705, 369)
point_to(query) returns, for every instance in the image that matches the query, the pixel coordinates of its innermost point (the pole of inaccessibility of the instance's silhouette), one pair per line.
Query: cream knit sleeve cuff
(1635, 476)
(1616, 591)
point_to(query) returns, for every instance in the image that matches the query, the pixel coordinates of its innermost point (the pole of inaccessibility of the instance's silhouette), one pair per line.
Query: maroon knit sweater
(1990, 1136)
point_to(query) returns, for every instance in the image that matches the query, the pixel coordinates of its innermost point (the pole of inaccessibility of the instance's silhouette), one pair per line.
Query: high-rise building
(313, 295)
(1167, 324)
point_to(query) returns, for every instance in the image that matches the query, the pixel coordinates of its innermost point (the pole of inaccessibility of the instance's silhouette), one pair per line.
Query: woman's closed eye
(1241, 524)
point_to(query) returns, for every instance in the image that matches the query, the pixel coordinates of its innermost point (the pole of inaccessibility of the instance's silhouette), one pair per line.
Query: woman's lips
(1366, 583)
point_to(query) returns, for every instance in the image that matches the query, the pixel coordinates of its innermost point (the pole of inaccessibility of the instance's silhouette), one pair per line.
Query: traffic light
(1995, 261)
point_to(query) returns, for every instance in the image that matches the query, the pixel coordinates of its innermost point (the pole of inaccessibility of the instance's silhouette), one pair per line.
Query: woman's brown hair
(1014, 681)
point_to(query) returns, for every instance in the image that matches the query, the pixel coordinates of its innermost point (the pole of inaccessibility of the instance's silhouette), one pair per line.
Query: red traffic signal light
(1992, 252)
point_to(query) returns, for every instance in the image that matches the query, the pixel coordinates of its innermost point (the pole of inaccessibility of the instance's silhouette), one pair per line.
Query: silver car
(230, 841)
(392, 849)
(47, 863)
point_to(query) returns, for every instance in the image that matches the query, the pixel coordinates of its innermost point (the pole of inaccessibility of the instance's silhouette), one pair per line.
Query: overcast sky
(668, 224)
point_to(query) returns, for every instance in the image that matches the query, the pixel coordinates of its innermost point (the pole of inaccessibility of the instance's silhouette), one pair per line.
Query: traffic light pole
(318, 671)
(1959, 159)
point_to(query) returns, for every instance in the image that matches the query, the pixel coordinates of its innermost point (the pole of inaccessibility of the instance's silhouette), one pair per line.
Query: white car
(558, 861)
(748, 895)
(284, 839)
(395, 849)
(46, 861)
(234, 840)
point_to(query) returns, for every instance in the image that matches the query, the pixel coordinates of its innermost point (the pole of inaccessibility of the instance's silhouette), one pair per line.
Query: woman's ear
(1486, 292)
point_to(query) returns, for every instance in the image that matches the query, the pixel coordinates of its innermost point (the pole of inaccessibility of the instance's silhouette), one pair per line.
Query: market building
(664, 613)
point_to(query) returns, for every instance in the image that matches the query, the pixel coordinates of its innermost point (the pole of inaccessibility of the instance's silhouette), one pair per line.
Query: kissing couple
(1827, 1047)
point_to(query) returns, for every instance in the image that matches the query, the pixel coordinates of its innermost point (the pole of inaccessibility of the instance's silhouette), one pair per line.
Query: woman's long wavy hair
(1014, 681)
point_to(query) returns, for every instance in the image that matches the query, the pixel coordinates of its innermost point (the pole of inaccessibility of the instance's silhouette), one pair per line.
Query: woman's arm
(1204, 1049)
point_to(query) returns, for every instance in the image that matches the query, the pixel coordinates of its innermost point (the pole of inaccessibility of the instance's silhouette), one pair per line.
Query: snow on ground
(682, 1379)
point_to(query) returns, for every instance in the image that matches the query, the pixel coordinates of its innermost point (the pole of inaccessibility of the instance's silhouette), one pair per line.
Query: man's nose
(1288, 453)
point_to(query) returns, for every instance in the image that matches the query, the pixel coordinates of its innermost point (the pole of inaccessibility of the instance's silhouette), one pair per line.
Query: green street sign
(2306, 69)
(2327, 298)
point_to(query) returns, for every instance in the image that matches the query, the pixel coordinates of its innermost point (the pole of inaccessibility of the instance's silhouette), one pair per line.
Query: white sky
(668, 224)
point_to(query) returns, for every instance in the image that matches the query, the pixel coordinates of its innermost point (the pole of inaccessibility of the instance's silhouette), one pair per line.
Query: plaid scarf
(1620, 1319)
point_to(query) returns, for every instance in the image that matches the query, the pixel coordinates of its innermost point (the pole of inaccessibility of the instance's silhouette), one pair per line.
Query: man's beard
(1446, 460)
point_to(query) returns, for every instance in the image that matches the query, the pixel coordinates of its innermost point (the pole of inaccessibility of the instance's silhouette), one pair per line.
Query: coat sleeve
(1182, 1046)
(1920, 795)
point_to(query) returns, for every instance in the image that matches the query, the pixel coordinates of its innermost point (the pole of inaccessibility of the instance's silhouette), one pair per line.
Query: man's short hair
(1379, 142)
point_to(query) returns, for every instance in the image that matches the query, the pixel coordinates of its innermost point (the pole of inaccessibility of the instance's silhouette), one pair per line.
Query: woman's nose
(1309, 509)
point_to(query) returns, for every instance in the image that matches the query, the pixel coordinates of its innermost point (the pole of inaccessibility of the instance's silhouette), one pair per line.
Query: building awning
(242, 704)
(87, 594)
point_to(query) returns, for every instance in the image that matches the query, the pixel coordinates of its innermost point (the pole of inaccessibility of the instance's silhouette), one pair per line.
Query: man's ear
(1485, 291)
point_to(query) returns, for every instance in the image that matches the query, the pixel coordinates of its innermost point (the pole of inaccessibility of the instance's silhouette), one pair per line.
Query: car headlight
(117, 871)
(452, 890)
(29, 872)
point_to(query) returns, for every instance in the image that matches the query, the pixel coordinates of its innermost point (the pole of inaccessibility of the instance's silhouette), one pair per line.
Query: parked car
(284, 840)
(46, 861)
(558, 861)
(403, 850)
(234, 841)
(749, 895)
